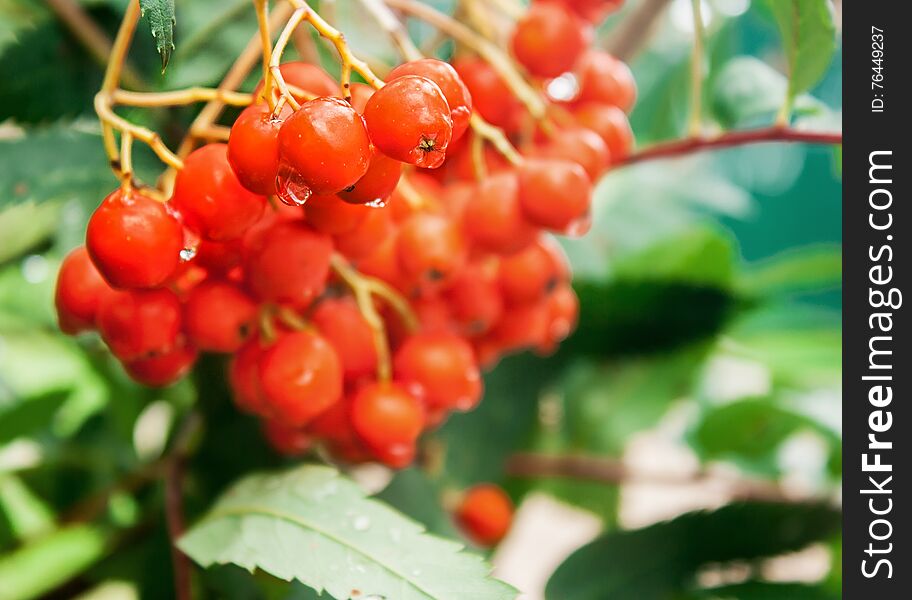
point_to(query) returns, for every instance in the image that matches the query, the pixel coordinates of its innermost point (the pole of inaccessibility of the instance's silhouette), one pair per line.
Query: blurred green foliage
(707, 260)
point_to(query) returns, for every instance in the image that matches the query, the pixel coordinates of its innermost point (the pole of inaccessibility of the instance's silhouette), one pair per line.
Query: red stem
(727, 140)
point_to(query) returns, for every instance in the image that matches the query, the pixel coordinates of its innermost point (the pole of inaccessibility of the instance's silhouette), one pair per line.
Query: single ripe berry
(307, 78)
(331, 215)
(490, 95)
(430, 248)
(343, 326)
(80, 290)
(218, 257)
(388, 418)
(244, 378)
(485, 514)
(290, 441)
(531, 274)
(210, 198)
(253, 147)
(140, 323)
(440, 369)
(383, 263)
(360, 94)
(474, 297)
(218, 316)
(555, 194)
(288, 263)
(377, 184)
(300, 376)
(563, 314)
(163, 369)
(324, 146)
(447, 79)
(579, 144)
(611, 124)
(549, 39)
(409, 120)
(493, 220)
(134, 241)
(606, 80)
(522, 327)
(593, 11)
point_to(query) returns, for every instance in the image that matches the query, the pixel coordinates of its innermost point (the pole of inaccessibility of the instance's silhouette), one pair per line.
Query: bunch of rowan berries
(244, 258)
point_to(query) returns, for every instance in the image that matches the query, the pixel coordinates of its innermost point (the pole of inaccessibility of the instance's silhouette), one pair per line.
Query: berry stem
(276, 58)
(496, 57)
(695, 144)
(180, 97)
(696, 71)
(496, 136)
(262, 13)
(126, 161)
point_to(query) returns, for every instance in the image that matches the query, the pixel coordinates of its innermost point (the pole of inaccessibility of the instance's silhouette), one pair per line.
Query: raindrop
(187, 254)
(563, 88)
(361, 523)
(290, 187)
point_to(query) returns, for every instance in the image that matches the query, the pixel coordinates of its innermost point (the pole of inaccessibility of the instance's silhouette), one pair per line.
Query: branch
(634, 30)
(692, 145)
(614, 472)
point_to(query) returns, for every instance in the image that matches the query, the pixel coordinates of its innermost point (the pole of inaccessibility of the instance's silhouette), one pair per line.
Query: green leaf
(808, 31)
(50, 561)
(314, 525)
(161, 22)
(28, 515)
(762, 590)
(658, 562)
(24, 225)
(411, 492)
(808, 269)
(59, 162)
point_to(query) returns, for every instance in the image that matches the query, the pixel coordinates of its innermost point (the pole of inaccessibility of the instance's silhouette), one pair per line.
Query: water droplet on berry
(563, 88)
(377, 202)
(187, 254)
(580, 227)
(290, 187)
(361, 523)
(191, 245)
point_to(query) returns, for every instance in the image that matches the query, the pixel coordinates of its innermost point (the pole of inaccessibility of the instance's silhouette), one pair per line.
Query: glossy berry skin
(549, 39)
(485, 514)
(253, 147)
(288, 263)
(440, 369)
(377, 184)
(306, 77)
(360, 94)
(331, 215)
(211, 200)
(139, 324)
(409, 120)
(605, 80)
(340, 322)
(387, 417)
(490, 95)
(555, 194)
(582, 146)
(289, 441)
(134, 241)
(611, 124)
(493, 220)
(326, 145)
(218, 316)
(529, 275)
(163, 369)
(454, 90)
(80, 290)
(301, 377)
(430, 248)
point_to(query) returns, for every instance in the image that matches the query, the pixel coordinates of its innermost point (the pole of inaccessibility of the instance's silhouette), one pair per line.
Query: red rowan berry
(253, 147)
(218, 257)
(581, 145)
(553, 193)
(493, 220)
(360, 94)
(364, 239)
(409, 119)
(440, 369)
(454, 90)
(531, 274)
(244, 378)
(290, 441)
(134, 241)
(138, 324)
(210, 198)
(343, 326)
(388, 418)
(288, 263)
(430, 248)
(611, 124)
(307, 78)
(549, 39)
(485, 514)
(604, 79)
(163, 369)
(490, 95)
(218, 316)
(323, 147)
(475, 298)
(300, 376)
(377, 184)
(332, 216)
(80, 290)
(593, 10)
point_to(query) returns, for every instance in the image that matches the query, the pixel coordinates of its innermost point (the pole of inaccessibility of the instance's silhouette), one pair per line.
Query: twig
(614, 472)
(692, 145)
(180, 97)
(696, 72)
(91, 36)
(634, 31)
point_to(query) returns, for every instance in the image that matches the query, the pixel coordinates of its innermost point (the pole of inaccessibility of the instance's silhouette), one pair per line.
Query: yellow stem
(126, 161)
(111, 120)
(696, 72)
(262, 13)
(296, 17)
(180, 97)
(496, 136)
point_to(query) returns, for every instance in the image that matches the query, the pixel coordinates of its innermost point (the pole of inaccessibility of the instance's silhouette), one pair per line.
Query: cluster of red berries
(386, 184)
